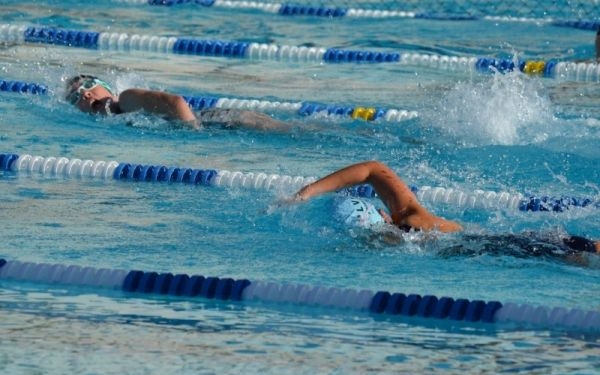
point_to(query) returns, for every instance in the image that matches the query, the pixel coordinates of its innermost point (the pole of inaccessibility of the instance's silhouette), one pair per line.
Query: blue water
(492, 132)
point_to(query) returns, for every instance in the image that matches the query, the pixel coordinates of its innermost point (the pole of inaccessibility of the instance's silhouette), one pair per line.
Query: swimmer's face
(90, 95)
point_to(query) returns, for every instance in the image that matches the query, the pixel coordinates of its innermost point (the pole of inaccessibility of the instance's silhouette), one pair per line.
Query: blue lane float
(303, 109)
(23, 87)
(229, 289)
(187, 46)
(120, 171)
(582, 71)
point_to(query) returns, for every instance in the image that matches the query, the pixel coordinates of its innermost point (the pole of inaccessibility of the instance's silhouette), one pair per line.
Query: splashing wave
(502, 109)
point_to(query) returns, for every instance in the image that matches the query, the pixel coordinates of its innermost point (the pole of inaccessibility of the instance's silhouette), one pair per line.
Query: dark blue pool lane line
(381, 302)
(23, 87)
(433, 307)
(199, 47)
(7, 160)
(184, 285)
(64, 37)
(228, 289)
(159, 173)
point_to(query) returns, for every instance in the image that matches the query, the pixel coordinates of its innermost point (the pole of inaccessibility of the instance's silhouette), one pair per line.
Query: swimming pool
(512, 132)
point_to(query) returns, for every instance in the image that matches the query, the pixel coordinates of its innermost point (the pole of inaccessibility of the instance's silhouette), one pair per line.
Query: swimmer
(405, 210)
(92, 95)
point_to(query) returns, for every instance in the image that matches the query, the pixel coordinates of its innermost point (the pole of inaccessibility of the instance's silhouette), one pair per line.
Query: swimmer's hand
(194, 124)
(288, 201)
(303, 194)
(283, 202)
(387, 218)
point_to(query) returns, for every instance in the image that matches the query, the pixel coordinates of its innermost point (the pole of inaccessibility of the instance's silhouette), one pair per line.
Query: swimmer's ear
(385, 216)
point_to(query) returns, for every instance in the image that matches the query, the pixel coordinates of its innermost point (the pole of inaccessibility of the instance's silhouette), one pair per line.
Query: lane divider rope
(228, 289)
(113, 170)
(289, 9)
(581, 71)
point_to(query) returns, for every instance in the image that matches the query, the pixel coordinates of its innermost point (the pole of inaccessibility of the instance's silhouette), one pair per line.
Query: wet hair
(73, 80)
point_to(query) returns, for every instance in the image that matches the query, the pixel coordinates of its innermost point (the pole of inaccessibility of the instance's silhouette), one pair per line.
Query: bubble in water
(500, 109)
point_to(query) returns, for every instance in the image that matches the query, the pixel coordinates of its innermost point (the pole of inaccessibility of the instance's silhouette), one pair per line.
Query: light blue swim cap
(357, 212)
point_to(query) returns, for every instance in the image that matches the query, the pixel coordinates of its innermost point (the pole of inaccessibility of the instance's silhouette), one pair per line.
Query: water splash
(129, 80)
(502, 109)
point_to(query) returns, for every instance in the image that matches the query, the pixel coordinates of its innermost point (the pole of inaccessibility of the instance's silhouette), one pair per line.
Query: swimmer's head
(358, 213)
(89, 94)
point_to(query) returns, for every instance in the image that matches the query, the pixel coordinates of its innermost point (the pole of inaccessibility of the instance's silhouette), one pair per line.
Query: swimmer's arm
(396, 195)
(173, 107)
(335, 181)
(385, 182)
(349, 176)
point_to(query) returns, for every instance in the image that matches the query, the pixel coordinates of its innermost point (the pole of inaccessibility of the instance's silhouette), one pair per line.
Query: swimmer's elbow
(183, 112)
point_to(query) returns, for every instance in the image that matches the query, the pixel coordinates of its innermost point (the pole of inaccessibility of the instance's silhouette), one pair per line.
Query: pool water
(499, 132)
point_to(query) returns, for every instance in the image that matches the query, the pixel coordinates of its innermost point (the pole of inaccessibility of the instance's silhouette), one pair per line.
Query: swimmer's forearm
(181, 111)
(345, 177)
(322, 186)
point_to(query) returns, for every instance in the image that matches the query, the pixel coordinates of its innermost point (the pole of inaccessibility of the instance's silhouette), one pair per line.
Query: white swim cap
(357, 212)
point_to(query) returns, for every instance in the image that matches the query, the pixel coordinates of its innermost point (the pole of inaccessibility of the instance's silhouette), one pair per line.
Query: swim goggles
(86, 84)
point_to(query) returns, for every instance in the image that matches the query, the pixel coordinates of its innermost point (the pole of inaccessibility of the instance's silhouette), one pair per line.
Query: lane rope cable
(294, 9)
(578, 71)
(113, 170)
(228, 289)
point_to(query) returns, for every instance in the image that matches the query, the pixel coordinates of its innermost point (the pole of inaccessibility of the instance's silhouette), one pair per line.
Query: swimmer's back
(523, 245)
(234, 118)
